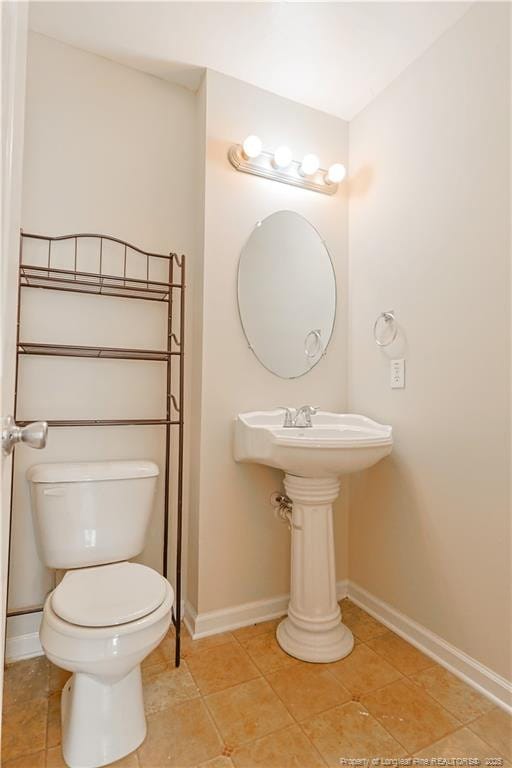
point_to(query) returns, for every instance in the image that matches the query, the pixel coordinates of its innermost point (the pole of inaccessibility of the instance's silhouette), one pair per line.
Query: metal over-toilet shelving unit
(169, 290)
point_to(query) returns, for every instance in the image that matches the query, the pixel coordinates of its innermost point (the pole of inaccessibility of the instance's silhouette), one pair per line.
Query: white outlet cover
(397, 373)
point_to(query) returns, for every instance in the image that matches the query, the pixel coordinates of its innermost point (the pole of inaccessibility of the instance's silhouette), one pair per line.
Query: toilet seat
(108, 595)
(102, 703)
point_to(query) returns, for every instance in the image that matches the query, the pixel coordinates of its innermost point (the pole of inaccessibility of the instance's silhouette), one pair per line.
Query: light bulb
(252, 147)
(335, 174)
(282, 157)
(310, 165)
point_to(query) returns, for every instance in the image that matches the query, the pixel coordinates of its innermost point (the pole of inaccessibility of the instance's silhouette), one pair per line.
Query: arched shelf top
(152, 280)
(110, 238)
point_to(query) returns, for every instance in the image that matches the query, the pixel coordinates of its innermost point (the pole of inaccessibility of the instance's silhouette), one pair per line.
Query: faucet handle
(289, 416)
(304, 414)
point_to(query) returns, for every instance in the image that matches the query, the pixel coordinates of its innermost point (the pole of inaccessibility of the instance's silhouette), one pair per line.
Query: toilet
(106, 614)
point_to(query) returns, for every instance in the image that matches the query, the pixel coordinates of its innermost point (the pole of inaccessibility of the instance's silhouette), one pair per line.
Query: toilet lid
(108, 594)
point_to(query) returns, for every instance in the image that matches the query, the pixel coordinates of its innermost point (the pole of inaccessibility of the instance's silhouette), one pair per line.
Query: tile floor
(238, 700)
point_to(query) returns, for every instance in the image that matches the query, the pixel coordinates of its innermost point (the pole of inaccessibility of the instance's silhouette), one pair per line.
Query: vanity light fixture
(310, 165)
(279, 165)
(335, 174)
(252, 147)
(282, 158)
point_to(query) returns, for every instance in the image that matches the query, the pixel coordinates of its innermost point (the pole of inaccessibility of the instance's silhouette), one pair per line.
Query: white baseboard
(475, 674)
(480, 677)
(22, 637)
(23, 647)
(212, 622)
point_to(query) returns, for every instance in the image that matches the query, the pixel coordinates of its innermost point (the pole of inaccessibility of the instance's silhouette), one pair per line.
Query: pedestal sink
(313, 459)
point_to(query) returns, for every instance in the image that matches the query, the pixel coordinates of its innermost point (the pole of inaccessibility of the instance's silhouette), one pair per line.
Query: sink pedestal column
(313, 631)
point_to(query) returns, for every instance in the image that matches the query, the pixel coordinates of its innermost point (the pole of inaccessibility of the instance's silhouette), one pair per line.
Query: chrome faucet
(298, 418)
(303, 416)
(289, 416)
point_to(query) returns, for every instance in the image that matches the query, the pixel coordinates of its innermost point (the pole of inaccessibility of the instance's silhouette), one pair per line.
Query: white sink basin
(312, 458)
(335, 445)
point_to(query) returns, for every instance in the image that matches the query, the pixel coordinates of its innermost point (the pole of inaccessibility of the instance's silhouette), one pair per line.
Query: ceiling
(333, 56)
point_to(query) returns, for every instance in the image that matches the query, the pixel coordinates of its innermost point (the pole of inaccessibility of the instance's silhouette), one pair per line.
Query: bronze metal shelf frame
(170, 291)
(73, 350)
(102, 422)
(86, 282)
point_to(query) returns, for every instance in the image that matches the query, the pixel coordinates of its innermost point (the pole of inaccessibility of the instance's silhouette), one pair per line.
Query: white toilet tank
(91, 513)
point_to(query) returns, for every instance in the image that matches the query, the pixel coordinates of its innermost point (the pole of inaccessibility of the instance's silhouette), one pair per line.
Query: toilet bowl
(100, 623)
(106, 614)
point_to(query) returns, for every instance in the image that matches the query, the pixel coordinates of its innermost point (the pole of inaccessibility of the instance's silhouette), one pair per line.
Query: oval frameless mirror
(286, 294)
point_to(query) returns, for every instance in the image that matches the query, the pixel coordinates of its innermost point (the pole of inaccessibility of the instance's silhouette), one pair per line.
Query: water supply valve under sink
(283, 508)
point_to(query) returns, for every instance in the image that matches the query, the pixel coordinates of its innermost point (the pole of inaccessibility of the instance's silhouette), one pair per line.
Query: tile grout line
(258, 738)
(352, 700)
(411, 679)
(184, 664)
(204, 696)
(406, 677)
(439, 704)
(322, 758)
(216, 728)
(264, 675)
(327, 709)
(464, 723)
(403, 676)
(460, 724)
(227, 688)
(484, 740)
(299, 724)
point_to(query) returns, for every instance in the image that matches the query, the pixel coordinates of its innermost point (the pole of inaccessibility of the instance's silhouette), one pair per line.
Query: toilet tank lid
(84, 471)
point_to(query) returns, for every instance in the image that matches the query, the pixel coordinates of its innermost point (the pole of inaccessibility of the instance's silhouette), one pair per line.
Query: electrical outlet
(398, 374)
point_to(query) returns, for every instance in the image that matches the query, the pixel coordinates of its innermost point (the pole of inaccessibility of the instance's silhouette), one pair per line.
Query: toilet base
(102, 721)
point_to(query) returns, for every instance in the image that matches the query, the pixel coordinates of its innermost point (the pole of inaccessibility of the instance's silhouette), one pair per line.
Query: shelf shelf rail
(171, 279)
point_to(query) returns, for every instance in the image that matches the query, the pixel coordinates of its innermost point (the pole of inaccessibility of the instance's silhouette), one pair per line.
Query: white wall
(111, 150)
(13, 22)
(429, 238)
(242, 552)
(194, 357)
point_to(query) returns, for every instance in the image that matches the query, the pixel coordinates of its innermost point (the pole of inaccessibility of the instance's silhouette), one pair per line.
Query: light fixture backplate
(262, 166)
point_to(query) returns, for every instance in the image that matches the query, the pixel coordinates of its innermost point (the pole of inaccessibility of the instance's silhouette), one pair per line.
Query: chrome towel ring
(313, 349)
(385, 328)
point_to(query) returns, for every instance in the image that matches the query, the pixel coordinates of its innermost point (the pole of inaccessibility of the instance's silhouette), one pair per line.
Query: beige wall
(429, 238)
(111, 150)
(195, 357)
(242, 551)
